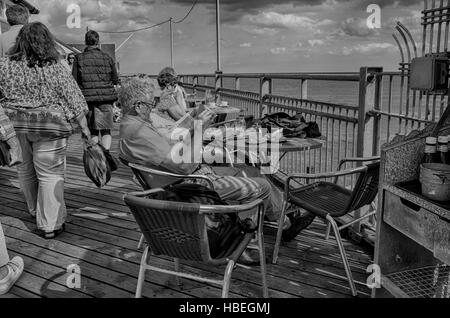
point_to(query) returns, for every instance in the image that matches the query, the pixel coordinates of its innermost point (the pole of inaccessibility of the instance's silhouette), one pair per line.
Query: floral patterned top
(39, 99)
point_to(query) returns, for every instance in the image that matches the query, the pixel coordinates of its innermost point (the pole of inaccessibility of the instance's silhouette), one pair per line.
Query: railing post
(265, 88)
(194, 85)
(370, 87)
(218, 83)
(368, 126)
(303, 89)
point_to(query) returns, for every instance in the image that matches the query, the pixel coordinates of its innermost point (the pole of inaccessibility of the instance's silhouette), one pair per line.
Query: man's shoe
(299, 223)
(15, 269)
(247, 259)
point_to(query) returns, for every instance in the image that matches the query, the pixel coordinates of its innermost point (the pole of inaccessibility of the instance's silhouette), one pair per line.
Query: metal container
(435, 180)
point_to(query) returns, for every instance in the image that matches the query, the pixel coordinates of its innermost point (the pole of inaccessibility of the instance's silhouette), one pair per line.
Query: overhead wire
(154, 25)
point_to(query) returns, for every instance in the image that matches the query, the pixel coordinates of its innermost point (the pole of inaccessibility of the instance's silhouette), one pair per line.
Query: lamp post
(218, 78)
(171, 42)
(219, 67)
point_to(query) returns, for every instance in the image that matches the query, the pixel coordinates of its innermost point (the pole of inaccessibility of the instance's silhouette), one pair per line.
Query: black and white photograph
(199, 150)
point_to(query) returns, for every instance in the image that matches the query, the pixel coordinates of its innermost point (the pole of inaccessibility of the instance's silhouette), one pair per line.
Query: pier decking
(101, 237)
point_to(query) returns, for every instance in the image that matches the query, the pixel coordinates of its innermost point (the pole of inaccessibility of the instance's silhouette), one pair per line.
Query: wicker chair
(138, 171)
(329, 201)
(179, 230)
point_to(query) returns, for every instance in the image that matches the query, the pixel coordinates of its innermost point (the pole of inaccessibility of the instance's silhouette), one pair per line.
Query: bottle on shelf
(442, 150)
(240, 126)
(431, 155)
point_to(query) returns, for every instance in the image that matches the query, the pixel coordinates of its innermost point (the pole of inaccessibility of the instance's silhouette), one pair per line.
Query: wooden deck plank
(135, 235)
(102, 236)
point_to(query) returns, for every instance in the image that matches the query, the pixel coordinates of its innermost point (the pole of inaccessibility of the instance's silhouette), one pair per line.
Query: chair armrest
(225, 209)
(345, 160)
(217, 125)
(141, 194)
(321, 176)
(169, 174)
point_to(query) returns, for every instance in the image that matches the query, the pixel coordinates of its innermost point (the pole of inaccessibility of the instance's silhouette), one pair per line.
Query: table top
(301, 144)
(221, 110)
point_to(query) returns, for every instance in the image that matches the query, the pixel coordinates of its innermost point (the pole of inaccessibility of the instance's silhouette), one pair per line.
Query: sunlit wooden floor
(101, 237)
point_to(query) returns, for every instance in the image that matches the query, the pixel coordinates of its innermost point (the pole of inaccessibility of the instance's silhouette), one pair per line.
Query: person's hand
(207, 117)
(15, 152)
(87, 137)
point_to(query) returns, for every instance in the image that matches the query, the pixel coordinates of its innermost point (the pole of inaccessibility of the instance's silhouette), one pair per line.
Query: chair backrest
(366, 188)
(147, 181)
(171, 228)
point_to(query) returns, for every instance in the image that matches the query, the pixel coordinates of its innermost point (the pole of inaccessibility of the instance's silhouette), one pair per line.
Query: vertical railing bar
(402, 87)
(391, 79)
(433, 3)
(425, 27)
(447, 24)
(440, 27)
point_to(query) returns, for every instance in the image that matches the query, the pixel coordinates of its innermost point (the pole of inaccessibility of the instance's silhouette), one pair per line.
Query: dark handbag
(96, 166)
(113, 163)
(5, 157)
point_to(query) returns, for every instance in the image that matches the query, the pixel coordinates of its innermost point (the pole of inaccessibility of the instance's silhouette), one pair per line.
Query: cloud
(248, 44)
(277, 20)
(234, 10)
(370, 48)
(314, 43)
(356, 27)
(278, 50)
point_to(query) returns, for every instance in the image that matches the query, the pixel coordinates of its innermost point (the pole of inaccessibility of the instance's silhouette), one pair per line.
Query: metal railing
(383, 106)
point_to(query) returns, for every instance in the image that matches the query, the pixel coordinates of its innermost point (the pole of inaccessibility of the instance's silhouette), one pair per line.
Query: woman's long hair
(36, 44)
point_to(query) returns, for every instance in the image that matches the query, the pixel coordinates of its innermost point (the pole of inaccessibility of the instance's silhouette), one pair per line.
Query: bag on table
(293, 126)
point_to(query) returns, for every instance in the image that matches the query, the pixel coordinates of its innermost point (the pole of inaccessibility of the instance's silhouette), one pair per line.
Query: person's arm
(169, 104)
(75, 70)
(75, 104)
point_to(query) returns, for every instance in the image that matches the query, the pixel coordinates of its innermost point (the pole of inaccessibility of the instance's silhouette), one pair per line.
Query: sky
(256, 35)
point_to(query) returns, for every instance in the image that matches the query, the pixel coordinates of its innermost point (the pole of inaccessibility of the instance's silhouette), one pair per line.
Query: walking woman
(42, 100)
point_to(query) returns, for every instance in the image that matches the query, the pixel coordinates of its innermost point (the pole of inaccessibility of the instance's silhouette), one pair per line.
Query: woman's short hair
(36, 44)
(134, 90)
(91, 38)
(17, 15)
(166, 77)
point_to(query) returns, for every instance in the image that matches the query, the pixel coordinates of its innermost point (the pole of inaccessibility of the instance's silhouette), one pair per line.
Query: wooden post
(218, 83)
(194, 85)
(303, 89)
(370, 87)
(368, 127)
(265, 88)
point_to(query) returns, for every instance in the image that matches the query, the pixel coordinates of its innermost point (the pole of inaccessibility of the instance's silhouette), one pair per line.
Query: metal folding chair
(179, 230)
(330, 201)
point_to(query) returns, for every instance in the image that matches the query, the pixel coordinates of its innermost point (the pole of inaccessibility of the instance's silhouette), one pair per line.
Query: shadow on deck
(101, 237)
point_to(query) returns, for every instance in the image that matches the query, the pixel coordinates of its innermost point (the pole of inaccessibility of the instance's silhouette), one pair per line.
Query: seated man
(144, 139)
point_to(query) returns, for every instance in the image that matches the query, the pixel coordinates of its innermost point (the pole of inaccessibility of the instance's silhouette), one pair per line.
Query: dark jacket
(96, 74)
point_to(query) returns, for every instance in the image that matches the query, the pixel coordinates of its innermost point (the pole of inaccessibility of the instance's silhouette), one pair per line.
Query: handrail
(351, 77)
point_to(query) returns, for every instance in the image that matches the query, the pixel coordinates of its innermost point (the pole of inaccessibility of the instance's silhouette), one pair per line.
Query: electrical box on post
(430, 73)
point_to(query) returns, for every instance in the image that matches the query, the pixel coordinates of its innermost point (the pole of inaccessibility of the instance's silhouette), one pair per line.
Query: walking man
(96, 74)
